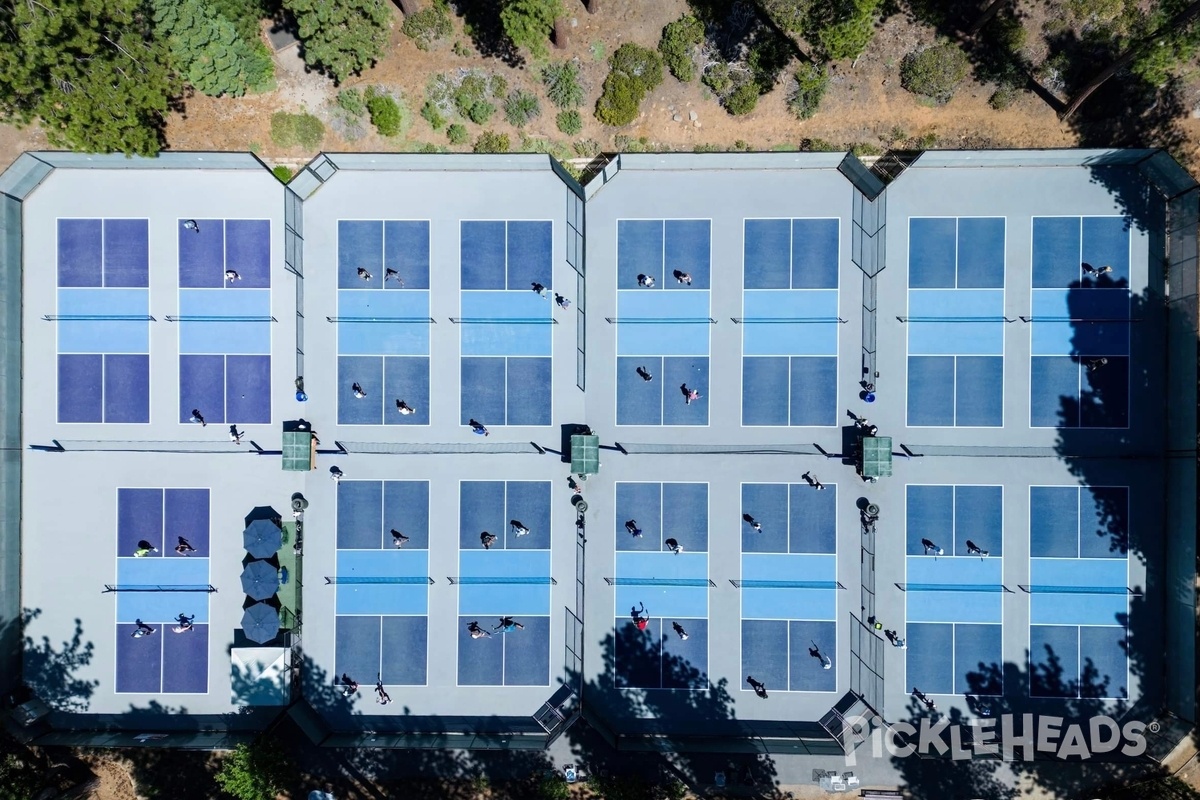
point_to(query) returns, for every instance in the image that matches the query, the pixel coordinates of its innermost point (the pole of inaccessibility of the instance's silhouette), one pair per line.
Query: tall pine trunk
(561, 26)
(409, 7)
(593, 6)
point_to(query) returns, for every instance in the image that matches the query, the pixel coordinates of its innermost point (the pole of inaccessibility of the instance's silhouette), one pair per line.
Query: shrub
(861, 149)
(433, 116)
(457, 134)
(561, 80)
(819, 146)
(491, 142)
(934, 72)
(471, 98)
(844, 28)
(528, 23)
(634, 71)
(678, 46)
(284, 174)
(428, 26)
(289, 130)
(351, 101)
(742, 100)
(552, 787)
(569, 122)
(258, 771)
(808, 88)
(385, 112)
(767, 58)
(719, 78)
(1003, 97)
(520, 107)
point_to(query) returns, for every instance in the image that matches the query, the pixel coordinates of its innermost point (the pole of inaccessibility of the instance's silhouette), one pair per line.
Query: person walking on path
(930, 547)
(538, 289)
(674, 546)
(349, 685)
(198, 417)
(358, 390)
(975, 550)
(644, 374)
(640, 616)
(390, 274)
(646, 280)
(562, 302)
(476, 631)
(815, 652)
(632, 526)
(507, 625)
(184, 547)
(759, 687)
(144, 548)
(398, 538)
(682, 277)
(142, 630)
(405, 409)
(487, 540)
(752, 522)
(381, 695)
(336, 474)
(478, 428)
(812, 481)
(518, 527)
(235, 435)
(679, 630)
(191, 225)
(895, 639)
(185, 623)
(362, 273)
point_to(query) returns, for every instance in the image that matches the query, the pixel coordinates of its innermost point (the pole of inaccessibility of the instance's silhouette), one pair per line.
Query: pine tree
(528, 23)
(91, 70)
(209, 51)
(342, 38)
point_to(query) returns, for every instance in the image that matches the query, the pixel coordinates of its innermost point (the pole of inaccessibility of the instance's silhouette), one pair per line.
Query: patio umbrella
(262, 538)
(260, 580)
(260, 623)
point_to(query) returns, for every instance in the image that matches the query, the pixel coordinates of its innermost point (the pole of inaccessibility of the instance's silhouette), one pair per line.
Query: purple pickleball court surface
(185, 660)
(139, 661)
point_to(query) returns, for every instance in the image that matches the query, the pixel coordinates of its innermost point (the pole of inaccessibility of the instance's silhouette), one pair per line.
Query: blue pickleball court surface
(1079, 522)
(493, 505)
(794, 518)
(1065, 392)
(393, 649)
(514, 658)
(163, 663)
(225, 388)
(660, 401)
(791, 253)
(954, 658)
(506, 254)
(779, 653)
(1078, 661)
(657, 248)
(384, 380)
(111, 253)
(162, 517)
(217, 245)
(367, 512)
(1062, 245)
(381, 245)
(658, 658)
(950, 516)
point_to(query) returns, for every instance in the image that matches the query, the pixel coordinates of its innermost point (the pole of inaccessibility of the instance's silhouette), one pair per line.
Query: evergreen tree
(209, 51)
(91, 70)
(528, 23)
(342, 38)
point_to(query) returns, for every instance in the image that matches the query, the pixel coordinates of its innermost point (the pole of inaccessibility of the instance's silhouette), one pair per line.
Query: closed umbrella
(262, 538)
(260, 580)
(260, 623)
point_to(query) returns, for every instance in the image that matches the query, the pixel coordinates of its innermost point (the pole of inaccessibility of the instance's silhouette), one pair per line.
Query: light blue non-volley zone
(794, 518)
(495, 583)
(662, 511)
(506, 254)
(103, 253)
(955, 658)
(951, 516)
(404, 586)
(956, 253)
(956, 357)
(776, 586)
(162, 606)
(789, 364)
(500, 323)
(669, 585)
(103, 354)
(659, 248)
(233, 323)
(394, 253)
(392, 649)
(1062, 245)
(214, 246)
(658, 323)
(368, 511)
(383, 346)
(954, 589)
(1079, 522)
(1078, 591)
(791, 253)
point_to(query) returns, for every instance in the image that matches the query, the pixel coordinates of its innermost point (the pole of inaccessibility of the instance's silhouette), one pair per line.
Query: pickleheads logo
(1010, 736)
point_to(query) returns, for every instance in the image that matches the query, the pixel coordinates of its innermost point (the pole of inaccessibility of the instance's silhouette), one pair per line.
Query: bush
(767, 58)
(491, 142)
(569, 122)
(433, 116)
(678, 46)
(808, 88)
(471, 97)
(934, 72)
(1003, 97)
(520, 107)
(634, 71)
(385, 112)
(742, 100)
(561, 80)
(552, 787)
(351, 101)
(258, 771)
(844, 28)
(719, 78)
(457, 134)
(428, 26)
(289, 130)
(284, 174)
